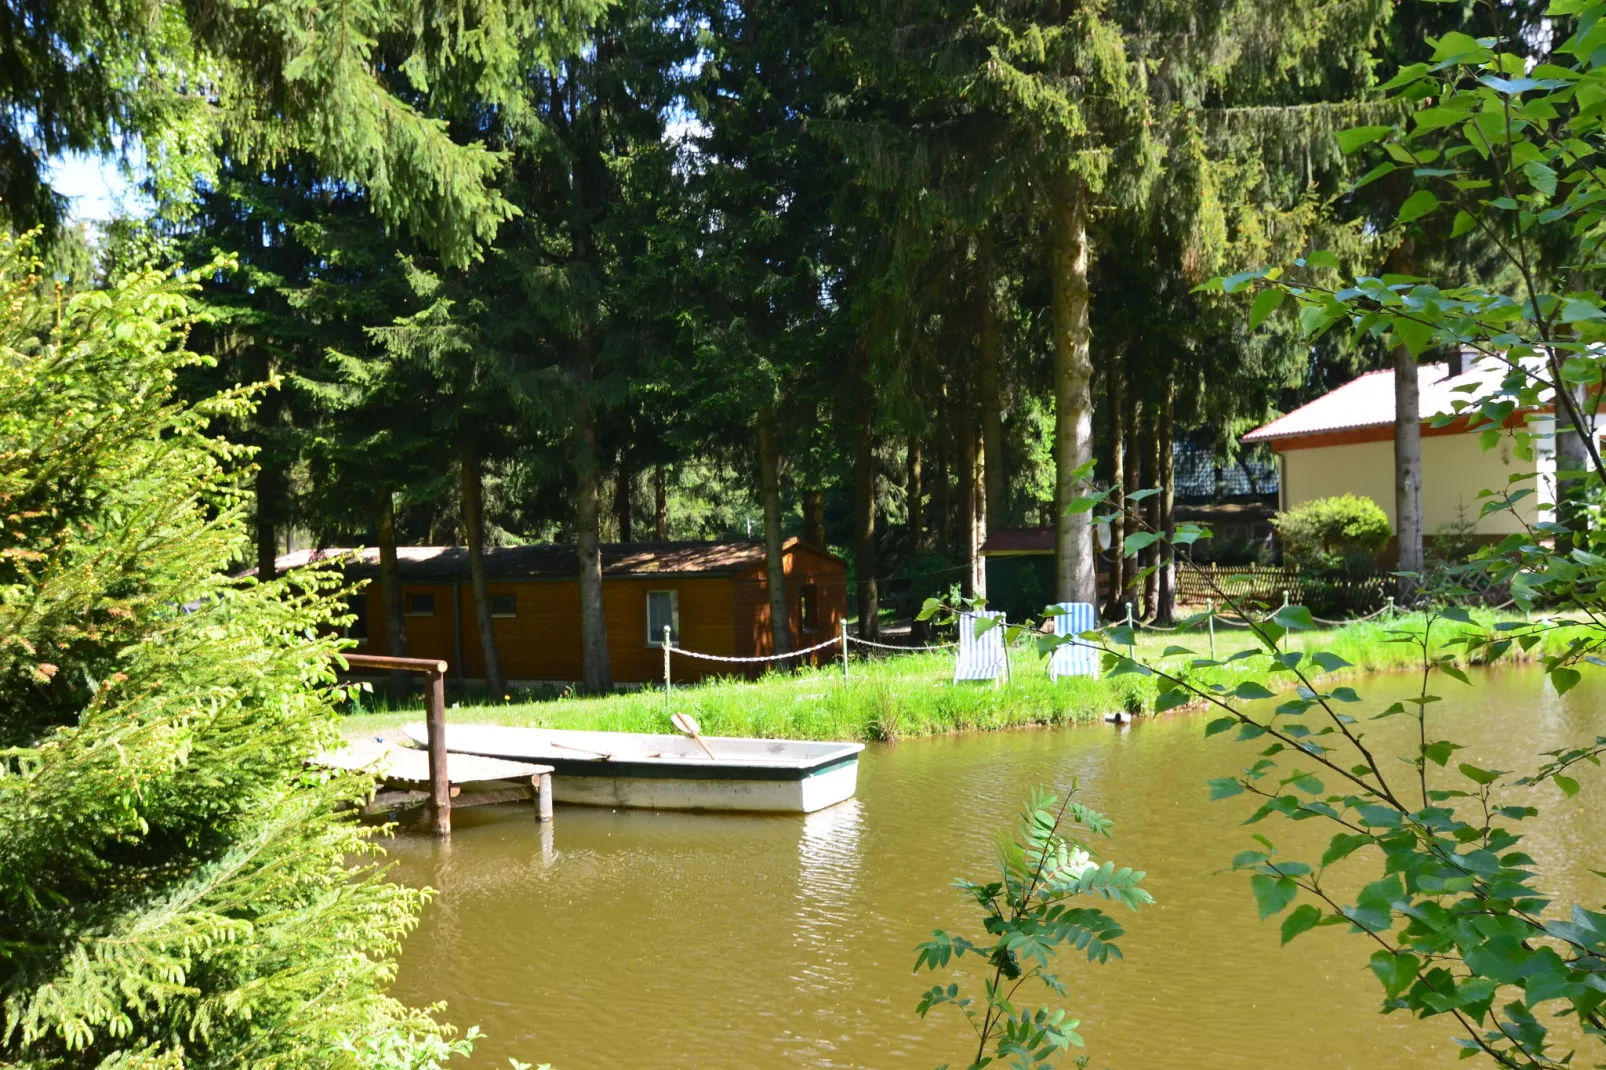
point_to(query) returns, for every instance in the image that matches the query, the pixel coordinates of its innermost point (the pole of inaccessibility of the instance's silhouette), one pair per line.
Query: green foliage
(359, 85)
(176, 888)
(1028, 917)
(1506, 146)
(1342, 526)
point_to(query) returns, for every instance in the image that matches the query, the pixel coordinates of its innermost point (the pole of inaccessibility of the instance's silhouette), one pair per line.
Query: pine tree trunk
(272, 487)
(814, 517)
(1074, 577)
(1407, 449)
(660, 492)
(1115, 385)
(940, 504)
(1407, 472)
(992, 404)
(597, 671)
(864, 548)
(972, 503)
(1151, 515)
(769, 470)
(390, 592)
(914, 492)
(1133, 471)
(1167, 500)
(270, 493)
(623, 487)
(472, 484)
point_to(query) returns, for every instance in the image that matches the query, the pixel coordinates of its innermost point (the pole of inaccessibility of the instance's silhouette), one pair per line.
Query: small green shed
(1020, 571)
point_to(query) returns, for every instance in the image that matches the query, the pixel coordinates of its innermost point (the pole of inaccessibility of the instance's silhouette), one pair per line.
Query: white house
(1343, 443)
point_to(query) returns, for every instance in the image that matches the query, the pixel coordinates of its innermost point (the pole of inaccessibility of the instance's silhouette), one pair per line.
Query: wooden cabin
(714, 596)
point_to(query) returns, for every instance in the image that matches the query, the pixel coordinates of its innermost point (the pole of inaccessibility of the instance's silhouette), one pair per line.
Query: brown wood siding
(427, 637)
(804, 565)
(542, 642)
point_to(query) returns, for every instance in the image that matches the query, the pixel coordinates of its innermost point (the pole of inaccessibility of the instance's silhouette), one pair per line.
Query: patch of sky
(99, 187)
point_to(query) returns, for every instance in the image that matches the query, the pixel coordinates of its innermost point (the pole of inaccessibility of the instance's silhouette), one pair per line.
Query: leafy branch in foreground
(1459, 917)
(1028, 917)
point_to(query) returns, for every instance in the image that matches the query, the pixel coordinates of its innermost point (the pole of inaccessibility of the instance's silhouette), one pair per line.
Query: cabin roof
(449, 564)
(1019, 541)
(1368, 401)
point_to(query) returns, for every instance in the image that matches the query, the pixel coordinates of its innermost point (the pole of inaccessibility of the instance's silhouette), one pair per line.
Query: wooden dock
(401, 770)
(436, 769)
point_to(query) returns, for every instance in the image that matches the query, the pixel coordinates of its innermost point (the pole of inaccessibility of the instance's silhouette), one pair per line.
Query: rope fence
(1208, 621)
(900, 649)
(671, 649)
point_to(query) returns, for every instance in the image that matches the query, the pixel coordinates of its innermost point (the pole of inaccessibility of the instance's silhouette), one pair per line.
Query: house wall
(1454, 469)
(804, 565)
(542, 641)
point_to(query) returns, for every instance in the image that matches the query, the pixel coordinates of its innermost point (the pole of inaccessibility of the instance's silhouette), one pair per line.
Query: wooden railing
(434, 672)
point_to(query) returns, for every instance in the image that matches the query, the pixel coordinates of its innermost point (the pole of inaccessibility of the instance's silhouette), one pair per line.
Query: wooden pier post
(440, 784)
(543, 797)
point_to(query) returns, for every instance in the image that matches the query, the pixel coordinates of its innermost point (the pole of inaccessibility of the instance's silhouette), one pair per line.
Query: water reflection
(828, 855)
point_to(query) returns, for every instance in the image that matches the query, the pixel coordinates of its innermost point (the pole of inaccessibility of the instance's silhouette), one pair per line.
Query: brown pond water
(633, 938)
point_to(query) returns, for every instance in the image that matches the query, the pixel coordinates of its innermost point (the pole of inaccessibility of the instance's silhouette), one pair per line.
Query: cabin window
(421, 605)
(358, 628)
(504, 605)
(808, 601)
(663, 610)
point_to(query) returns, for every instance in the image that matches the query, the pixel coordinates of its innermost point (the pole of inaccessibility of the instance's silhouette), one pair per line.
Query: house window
(421, 605)
(357, 605)
(808, 601)
(663, 609)
(504, 605)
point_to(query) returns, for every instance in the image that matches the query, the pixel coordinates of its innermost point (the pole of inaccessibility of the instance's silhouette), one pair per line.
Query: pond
(692, 940)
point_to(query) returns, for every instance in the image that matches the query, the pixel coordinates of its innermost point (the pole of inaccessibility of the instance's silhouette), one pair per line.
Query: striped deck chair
(1078, 658)
(984, 657)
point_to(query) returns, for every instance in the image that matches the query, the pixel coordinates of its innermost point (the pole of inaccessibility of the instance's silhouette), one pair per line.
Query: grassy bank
(914, 694)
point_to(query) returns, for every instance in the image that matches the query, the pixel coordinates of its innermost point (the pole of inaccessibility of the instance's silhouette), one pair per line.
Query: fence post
(1285, 597)
(1131, 648)
(1212, 622)
(843, 639)
(440, 783)
(666, 644)
(1390, 614)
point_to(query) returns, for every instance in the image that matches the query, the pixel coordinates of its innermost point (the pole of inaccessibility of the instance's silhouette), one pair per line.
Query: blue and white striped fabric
(983, 657)
(1076, 658)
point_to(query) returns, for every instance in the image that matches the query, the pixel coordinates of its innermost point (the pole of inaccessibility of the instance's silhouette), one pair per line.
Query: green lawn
(914, 694)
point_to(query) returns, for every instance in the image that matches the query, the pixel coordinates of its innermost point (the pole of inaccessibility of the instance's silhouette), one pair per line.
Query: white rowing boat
(652, 772)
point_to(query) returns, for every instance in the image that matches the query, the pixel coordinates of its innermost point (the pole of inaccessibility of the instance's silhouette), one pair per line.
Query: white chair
(982, 657)
(1078, 657)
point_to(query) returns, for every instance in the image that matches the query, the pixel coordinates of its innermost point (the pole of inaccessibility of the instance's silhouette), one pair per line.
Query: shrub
(1334, 541)
(1339, 526)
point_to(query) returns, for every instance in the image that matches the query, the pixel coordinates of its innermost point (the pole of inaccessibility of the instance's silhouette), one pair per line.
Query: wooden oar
(583, 750)
(686, 724)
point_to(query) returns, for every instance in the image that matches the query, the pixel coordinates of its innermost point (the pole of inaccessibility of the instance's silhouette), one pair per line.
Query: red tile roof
(1368, 401)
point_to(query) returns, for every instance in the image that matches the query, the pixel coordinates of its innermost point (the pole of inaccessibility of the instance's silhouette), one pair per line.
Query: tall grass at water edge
(915, 695)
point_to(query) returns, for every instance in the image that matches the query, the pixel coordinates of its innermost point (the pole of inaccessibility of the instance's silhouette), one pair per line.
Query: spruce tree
(177, 888)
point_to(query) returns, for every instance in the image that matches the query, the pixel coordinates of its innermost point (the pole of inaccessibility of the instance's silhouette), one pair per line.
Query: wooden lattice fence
(1265, 586)
(1258, 585)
